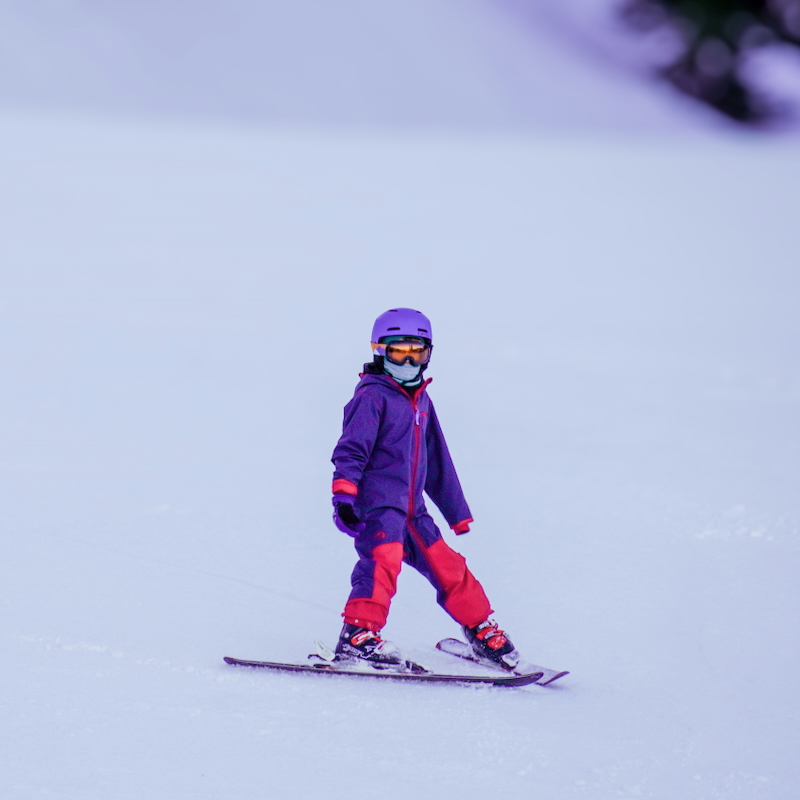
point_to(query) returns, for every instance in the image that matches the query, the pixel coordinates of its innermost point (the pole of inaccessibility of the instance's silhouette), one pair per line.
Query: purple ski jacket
(392, 449)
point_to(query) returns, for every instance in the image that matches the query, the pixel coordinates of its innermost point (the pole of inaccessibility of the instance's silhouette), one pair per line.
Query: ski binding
(455, 647)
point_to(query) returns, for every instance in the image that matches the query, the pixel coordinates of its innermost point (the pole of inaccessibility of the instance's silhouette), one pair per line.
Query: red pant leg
(371, 612)
(374, 578)
(458, 591)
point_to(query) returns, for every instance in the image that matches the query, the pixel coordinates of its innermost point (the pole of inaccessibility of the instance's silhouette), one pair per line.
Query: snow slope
(616, 369)
(416, 64)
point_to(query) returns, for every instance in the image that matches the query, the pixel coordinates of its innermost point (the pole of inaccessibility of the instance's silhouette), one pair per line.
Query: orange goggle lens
(416, 353)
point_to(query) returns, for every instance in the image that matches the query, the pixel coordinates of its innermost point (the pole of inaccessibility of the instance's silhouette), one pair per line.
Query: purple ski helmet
(400, 322)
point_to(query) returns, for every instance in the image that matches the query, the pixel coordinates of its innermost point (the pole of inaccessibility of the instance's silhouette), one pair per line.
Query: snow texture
(184, 309)
(183, 316)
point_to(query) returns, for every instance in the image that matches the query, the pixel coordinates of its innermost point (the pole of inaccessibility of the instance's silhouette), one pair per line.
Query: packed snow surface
(183, 314)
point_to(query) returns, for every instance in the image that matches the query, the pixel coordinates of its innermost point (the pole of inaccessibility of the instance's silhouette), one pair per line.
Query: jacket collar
(388, 380)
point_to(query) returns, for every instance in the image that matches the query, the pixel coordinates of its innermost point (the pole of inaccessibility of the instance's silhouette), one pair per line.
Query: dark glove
(344, 515)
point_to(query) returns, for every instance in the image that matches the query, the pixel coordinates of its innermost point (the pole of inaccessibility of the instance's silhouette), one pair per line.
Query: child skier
(391, 449)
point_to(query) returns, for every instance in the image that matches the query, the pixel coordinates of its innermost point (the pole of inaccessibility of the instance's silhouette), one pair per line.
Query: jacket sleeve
(362, 418)
(442, 484)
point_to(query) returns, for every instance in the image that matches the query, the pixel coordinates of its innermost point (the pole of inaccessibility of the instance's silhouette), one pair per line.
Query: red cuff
(342, 486)
(462, 527)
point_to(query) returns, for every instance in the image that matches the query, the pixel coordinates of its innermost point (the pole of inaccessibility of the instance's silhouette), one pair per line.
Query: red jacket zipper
(415, 462)
(414, 465)
(417, 442)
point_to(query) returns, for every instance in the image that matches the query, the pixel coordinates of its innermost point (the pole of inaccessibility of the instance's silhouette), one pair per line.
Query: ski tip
(553, 678)
(520, 680)
(443, 644)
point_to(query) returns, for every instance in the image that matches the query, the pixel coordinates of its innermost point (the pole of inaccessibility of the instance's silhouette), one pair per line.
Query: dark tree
(715, 36)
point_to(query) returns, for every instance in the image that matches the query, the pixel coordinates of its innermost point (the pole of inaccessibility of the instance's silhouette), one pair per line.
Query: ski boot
(491, 644)
(365, 646)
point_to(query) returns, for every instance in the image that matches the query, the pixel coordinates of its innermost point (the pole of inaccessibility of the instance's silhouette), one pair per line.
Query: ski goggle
(402, 351)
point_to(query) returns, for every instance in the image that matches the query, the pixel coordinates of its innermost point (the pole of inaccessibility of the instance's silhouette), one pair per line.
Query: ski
(331, 668)
(455, 647)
